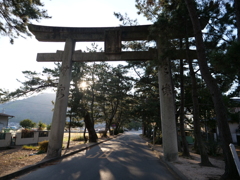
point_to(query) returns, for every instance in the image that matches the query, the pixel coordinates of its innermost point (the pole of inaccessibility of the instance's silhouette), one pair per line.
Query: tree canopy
(3, 95)
(16, 14)
(27, 123)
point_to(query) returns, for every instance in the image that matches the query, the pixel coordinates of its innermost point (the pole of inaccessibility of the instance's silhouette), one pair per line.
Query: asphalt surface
(123, 158)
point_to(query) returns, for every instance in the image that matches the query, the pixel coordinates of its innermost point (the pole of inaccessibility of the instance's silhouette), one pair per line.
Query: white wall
(25, 141)
(7, 141)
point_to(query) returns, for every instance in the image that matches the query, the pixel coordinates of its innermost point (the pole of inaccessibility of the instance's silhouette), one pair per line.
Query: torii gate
(112, 36)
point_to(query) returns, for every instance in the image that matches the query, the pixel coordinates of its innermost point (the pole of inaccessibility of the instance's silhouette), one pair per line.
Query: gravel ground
(15, 159)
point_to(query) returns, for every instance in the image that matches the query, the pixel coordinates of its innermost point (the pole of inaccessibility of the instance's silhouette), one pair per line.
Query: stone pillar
(61, 102)
(167, 107)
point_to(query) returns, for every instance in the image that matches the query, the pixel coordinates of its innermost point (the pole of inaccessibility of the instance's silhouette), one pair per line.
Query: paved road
(124, 158)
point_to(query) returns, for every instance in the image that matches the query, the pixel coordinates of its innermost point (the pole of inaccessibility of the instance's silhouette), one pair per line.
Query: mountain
(37, 108)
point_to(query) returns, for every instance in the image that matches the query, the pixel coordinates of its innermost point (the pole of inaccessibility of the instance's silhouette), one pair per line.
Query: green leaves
(16, 14)
(4, 96)
(36, 82)
(27, 123)
(41, 125)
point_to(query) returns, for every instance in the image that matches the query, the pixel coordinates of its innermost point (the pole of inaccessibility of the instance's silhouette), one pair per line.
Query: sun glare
(83, 85)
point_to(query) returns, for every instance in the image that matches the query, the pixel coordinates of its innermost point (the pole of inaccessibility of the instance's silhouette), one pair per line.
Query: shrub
(27, 133)
(43, 133)
(41, 126)
(213, 147)
(111, 132)
(120, 130)
(102, 133)
(116, 131)
(43, 146)
(80, 138)
(49, 127)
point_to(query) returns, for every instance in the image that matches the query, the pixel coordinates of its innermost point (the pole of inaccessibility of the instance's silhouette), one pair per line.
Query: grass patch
(30, 147)
(65, 139)
(80, 138)
(73, 136)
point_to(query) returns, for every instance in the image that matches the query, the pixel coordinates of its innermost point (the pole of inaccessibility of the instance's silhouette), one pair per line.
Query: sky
(22, 54)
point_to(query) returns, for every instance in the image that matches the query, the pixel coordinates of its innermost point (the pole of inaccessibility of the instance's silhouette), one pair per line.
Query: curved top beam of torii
(111, 36)
(86, 34)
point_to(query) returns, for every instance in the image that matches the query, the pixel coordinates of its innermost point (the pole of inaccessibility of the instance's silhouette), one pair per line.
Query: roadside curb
(169, 164)
(40, 164)
(179, 173)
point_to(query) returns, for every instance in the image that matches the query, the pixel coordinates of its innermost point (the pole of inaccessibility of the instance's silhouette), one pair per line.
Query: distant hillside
(37, 108)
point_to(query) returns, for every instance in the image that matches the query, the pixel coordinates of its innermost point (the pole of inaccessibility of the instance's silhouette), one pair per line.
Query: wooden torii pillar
(112, 36)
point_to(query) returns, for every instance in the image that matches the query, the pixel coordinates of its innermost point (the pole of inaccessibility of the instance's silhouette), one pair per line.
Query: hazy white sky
(76, 13)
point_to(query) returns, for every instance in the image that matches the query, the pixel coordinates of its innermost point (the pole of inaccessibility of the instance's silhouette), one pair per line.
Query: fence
(32, 137)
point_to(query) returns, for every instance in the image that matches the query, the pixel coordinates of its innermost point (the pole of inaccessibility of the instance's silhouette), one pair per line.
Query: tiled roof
(1, 114)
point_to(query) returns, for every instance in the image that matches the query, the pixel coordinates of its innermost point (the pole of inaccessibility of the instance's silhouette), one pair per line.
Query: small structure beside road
(4, 120)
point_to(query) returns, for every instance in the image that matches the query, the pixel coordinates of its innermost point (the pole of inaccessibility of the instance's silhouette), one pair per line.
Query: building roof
(2, 114)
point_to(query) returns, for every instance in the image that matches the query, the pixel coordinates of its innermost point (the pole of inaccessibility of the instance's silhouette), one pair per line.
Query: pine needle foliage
(15, 15)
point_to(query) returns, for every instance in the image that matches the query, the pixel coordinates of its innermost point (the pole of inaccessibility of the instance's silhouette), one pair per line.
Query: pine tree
(220, 109)
(16, 14)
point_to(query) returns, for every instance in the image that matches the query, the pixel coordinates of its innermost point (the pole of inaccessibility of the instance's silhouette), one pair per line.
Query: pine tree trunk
(69, 132)
(237, 10)
(149, 132)
(117, 127)
(221, 114)
(90, 127)
(84, 134)
(107, 127)
(179, 144)
(182, 129)
(144, 129)
(197, 128)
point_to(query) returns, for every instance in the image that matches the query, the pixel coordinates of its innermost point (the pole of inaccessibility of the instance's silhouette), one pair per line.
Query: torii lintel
(88, 34)
(95, 34)
(79, 56)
